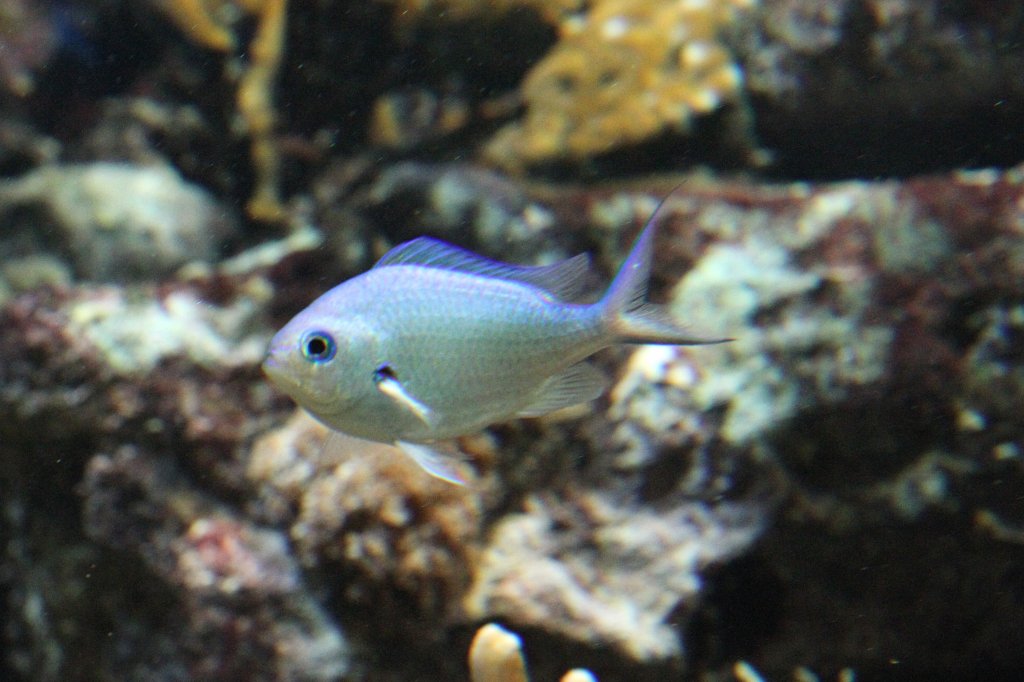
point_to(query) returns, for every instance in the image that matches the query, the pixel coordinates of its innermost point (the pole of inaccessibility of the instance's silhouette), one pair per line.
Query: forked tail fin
(624, 308)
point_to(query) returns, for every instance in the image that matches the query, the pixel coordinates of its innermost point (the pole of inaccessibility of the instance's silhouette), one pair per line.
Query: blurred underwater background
(836, 494)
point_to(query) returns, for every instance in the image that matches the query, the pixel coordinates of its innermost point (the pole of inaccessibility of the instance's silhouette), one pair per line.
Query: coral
(621, 74)
(496, 655)
(256, 106)
(598, 570)
(551, 10)
(112, 221)
(209, 23)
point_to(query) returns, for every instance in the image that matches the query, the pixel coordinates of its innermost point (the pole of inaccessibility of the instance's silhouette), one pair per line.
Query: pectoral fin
(578, 384)
(388, 384)
(434, 462)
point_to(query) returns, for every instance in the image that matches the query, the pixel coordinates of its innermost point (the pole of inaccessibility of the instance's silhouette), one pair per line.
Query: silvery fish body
(436, 342)
(469, 349)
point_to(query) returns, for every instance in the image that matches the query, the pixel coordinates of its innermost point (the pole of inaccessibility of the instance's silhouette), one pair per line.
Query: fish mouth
(274, 368)
(278, 377)
(269, 364)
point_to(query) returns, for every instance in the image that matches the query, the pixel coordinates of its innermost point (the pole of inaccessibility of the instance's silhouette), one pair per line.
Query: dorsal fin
(564, 280)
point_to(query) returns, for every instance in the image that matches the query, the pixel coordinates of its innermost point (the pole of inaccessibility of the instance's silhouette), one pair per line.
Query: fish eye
(318, 346)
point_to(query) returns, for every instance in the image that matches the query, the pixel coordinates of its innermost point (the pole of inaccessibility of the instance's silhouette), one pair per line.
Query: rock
(852, 454)
(112, 222)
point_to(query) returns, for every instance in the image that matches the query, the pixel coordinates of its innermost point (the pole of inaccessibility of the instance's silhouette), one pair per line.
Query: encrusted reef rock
(866, 317)
(230, 582)
(366, 511)
(108, 222)
(111, 418)
(596, 568)
(852, 453)
(599, 570)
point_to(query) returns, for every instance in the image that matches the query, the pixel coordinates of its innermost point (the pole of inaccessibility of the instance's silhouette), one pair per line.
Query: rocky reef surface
(852, 452)
(832, 493)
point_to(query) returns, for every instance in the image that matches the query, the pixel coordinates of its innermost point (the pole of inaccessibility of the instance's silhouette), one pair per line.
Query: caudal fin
(628, 315)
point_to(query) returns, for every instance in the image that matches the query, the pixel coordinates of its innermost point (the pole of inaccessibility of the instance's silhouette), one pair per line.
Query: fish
(435, 342)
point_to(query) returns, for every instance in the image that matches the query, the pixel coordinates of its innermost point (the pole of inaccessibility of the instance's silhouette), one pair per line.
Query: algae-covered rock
(112, 222)
(596, 569)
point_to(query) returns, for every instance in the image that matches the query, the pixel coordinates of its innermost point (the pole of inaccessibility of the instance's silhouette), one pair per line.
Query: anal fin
(578, 384)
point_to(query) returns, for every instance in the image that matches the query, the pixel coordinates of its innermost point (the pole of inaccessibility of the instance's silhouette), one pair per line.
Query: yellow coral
(624, 72)
(207, 22)
(256, 105)
(552, 10)
(210, 23)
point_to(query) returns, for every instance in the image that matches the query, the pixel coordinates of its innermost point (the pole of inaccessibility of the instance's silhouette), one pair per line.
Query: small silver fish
(436, 342)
